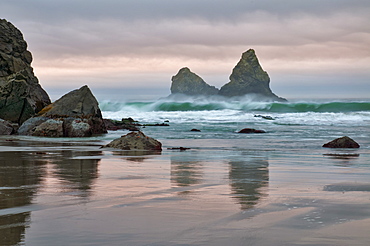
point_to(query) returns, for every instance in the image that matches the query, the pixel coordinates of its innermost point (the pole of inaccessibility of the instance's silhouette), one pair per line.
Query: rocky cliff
(21, 95)
(248, 77)
(188, 83)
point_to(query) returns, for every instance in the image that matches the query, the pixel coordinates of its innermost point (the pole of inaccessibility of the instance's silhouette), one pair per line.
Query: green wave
(290, 107)
(334, 107)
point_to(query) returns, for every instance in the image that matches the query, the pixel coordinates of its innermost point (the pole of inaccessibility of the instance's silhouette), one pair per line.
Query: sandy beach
(74, 193)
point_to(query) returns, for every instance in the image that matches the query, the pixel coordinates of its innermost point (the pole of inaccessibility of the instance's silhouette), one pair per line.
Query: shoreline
(209, 195)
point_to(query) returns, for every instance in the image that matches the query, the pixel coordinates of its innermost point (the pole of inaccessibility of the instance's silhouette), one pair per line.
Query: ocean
(275, 188)
(296, 121)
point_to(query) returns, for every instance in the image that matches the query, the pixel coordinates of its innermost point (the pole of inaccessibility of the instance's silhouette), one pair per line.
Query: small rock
(179, 148)
(195, 130)
(157, 124)
(343, 142)
(266, 117)
(251, 130)
(114, 125)
(135, 141)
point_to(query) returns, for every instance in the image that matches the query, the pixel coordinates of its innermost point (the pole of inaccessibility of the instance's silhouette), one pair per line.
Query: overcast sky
(131, 48)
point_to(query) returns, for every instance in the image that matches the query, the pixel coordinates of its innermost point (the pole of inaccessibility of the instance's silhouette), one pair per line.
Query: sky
(130, 49)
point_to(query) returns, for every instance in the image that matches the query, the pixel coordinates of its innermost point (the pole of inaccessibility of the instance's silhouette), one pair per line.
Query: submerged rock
(251, 130)
(248, 77)
(179, 148)
(76, 114)
(135, 141)
(188, 83)
(266, 117)
(21, 95)
(343, 142)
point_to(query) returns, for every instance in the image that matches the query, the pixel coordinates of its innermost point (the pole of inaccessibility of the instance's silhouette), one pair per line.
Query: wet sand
(74, 193)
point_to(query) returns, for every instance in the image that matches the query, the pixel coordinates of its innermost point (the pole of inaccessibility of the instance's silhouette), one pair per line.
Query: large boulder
(343, 142)
(135, 141)
(21, 95)
(248, 77)
(188, 83)
(76, 114)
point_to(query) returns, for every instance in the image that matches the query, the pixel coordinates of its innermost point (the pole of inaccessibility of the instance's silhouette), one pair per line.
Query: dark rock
(195, 130)
(6, 128)
(76, 114)
(114, 125)
(179, 148)
(135, 141)
(266, 117)
(251, 130)
(343, 142)
(248, 77)
(157, 124)
(21, 95)
(188, 83)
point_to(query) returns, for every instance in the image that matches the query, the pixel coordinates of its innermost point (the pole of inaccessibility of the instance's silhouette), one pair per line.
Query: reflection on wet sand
(136, 155)
(20, 177)
(185, 171)
(21, 173)
(248, 177)
(77, 174)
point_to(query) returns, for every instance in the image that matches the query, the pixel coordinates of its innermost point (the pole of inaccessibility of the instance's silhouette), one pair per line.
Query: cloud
(133, 43)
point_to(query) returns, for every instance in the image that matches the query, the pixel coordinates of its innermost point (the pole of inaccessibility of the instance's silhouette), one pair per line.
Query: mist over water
(218, 110)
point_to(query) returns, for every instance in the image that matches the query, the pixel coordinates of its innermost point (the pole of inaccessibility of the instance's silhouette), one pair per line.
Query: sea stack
(248, 77)
(188, 83)
(21, 95)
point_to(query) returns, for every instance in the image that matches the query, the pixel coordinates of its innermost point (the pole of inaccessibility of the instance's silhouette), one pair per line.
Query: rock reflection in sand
(248, 177)
(20, 178)
(23, 174)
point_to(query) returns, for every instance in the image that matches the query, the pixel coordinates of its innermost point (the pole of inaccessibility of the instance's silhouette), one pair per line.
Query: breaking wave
(242, 105)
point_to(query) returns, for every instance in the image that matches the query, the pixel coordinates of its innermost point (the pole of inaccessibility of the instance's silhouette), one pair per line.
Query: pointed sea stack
(248, 77)
(188, 83)
(21, 95)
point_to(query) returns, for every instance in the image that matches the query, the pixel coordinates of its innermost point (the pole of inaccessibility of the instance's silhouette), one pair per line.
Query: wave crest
(242, 104)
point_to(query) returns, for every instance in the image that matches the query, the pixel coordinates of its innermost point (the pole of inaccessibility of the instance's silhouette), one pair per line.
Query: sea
(280, 187)
(298, 124)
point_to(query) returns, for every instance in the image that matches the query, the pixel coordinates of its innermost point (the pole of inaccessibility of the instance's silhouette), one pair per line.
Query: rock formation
(188, 83)
(21, 95)
(135, 141)
(248, 77)
(76, 114)
(343, 142)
